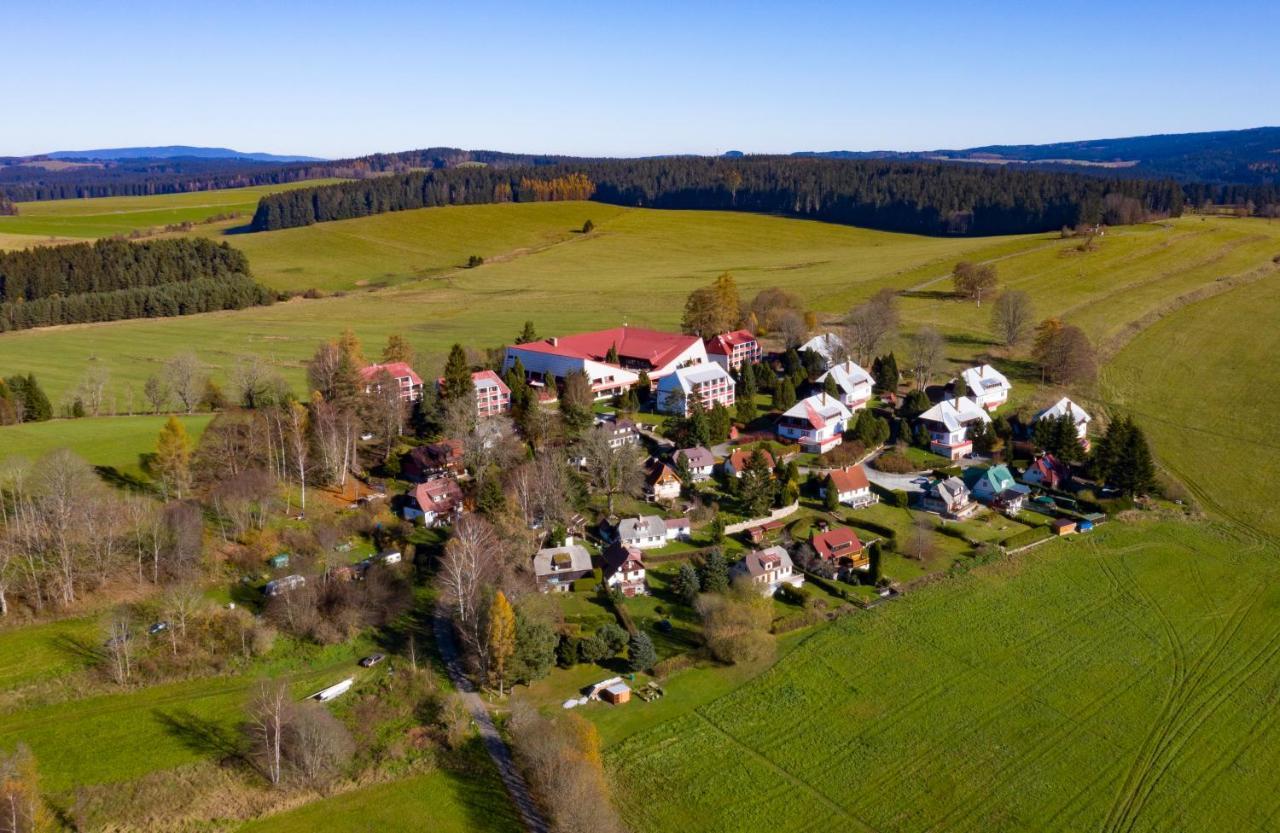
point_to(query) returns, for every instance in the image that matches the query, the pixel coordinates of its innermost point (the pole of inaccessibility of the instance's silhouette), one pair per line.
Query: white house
(548, 361)
(852, 487)
(436, 502)
(948, 424)
(734, 349)
(662, 483)
(699, 461)
(624, 569)
(828, 345)
(852, 381)
(1079, 416)
(678, 529)
(555, 569)
(950, 498)
(817, 423)
(768, 569)
(987, 386)
(643, 532)
(707, 383)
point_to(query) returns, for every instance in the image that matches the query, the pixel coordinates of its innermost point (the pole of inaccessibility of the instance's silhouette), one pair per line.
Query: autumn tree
(869, 326)
(398, 349)
(1064, 353)
(926, 355)
(1011, 317)
(974, 280)
(736, 624)
(172, 461)
(21, 808)
(501, 638)
(714, 309)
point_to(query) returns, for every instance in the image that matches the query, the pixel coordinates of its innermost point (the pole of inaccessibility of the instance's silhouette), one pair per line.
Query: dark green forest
(926, 198)
(114, 279)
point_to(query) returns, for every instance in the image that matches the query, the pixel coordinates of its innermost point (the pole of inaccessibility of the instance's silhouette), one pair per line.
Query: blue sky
(341, 79)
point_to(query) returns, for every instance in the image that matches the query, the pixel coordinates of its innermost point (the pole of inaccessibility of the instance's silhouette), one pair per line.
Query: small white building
(768, 569)
(852, 487)
(852, 381)
(643, 532)
(828, 345)
(624, 570)
(699, 461)
(818, 423)
(678, 529)
(1065, 407)
(948, 425)
(707, 383)
(986, 385)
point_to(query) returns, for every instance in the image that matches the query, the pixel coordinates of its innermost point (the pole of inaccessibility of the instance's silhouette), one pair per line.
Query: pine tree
(831, 500)
(528, 334)
(785, 396)
(685, 584)
(829, 386)
(714, 576)
(457, 384)
(756, 487)
(611, 357)
(745, 396)
(501, 637)
(643, 657)
(885, 372)
(491, 501)
(718, 424)
(36, 405)
(643, 386)
(172, 461)
(398, 349)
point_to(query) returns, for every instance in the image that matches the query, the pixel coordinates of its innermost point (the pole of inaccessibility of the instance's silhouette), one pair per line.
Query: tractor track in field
(1136, 785)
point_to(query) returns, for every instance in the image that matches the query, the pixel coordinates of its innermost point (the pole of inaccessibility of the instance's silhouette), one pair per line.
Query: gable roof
(951, 490)
(738, 459)
(985, 379)
(397, 370)
(1063, 407)
(825, 345)
(617, 556)
(956, 413)
(818, 410)
(849, 479)
(758, 562)
(662, 473)
(848, 376)
(696, 457)
(840, 542)
(694, 374)
(1050, 468)
(440, 495)
(723, 344)
(488, 379)
(644, 526)
(652, 347)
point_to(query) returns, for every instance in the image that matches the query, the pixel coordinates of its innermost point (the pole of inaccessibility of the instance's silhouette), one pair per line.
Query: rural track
(517, 788)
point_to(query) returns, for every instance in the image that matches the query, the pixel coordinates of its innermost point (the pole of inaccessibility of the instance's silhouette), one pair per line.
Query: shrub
(474, 261)
(793, 595)
(672, 664)
(585, 585)
(893, 462)
(845, 454)
(1027, 536)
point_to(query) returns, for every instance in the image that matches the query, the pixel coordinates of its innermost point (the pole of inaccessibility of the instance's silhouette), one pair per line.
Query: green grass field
(45, 651)
(1092, 684)
(108, 216)
(114, 442)
(637, 267)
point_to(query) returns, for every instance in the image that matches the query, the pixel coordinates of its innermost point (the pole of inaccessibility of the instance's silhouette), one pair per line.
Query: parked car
(371, 660)
(663, 626)
(158, 627)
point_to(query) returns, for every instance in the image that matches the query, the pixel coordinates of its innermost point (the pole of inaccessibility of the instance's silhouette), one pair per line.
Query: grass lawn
(441, 802)
(47, 650)
(1129, 694)
(110, 442)
(109, 216)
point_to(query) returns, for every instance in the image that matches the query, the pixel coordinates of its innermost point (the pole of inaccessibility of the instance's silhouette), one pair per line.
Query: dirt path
(447, 644)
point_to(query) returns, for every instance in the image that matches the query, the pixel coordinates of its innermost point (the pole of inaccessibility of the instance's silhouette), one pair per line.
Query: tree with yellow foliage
(172, 461)
(502, 638)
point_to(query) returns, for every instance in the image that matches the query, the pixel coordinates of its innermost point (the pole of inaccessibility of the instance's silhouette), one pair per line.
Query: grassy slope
(1018, 698)
(45, 651)
(107, 216)
(114, 442)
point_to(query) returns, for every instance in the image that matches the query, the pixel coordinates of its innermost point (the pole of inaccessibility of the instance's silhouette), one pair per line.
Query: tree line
(113, 279)
(928, 198)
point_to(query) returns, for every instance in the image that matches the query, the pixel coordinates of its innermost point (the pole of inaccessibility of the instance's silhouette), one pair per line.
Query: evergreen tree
(791, 362)
(535, 651)
(756, 489)
(528, 334)
(885, 372)
(745, 396)
(611, 357)
(501, 638)
(870, 430)
(35, 404)
(714, 575)
(491, 501)
(172, 461)
(685, 584)
(831, 500)
(829, 386)
(643, 657)
(875, 569)
(766, 378)
(915, 404)
(697, 425)
(643, 387)
(457, 385)
(785, 396)
(576, 402)
(716, 529)
(719, 422)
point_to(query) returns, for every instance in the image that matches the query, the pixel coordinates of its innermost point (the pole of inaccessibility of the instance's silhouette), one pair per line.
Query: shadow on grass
(478, 788)
(122, 480)
(81, 648)
(204, 736)
(930, 294)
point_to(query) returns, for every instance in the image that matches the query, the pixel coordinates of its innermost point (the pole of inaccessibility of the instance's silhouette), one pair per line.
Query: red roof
(738, 459)
(398, 370)
(634, 343)
(441, 495)
(724, 343)
(850, 479)
(489, 377)
(841, 542)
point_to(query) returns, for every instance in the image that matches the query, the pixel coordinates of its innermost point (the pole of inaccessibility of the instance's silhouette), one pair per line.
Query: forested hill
(926, 198)
(1224, 157)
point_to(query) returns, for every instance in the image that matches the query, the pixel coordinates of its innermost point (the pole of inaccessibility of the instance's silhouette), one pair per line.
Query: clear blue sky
(340, 79)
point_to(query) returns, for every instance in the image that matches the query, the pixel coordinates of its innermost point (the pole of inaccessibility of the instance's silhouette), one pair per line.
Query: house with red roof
(612, 359)
(662, 483)
(436, 502)
(737, 462)
(851, 486)
(734, 349)
(402, 376)
(1048, 471)
(818, 423)
(624, 570)
(493, 397)
(841, 549)
(432, 461)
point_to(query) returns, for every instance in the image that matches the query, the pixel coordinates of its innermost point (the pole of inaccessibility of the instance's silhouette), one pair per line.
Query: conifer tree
(457, 384)
(745, 396)
(172, 462)
(528, 334)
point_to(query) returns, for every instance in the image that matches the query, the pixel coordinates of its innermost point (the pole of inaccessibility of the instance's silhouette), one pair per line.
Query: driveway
(447, 644)
(895, 482)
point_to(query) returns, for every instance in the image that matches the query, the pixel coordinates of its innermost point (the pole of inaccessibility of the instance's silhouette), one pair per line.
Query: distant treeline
(22, 180)
(925, 198)
(114, 279)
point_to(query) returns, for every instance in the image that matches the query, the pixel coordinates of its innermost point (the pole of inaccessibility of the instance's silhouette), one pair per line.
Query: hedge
(894, 497)
(1027, 536)
(883, 531)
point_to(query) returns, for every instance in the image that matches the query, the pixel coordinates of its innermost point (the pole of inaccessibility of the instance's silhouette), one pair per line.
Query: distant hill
(176, 152)
(1247, 157)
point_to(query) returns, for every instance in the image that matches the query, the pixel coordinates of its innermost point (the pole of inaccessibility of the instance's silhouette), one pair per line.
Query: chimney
(554, 341)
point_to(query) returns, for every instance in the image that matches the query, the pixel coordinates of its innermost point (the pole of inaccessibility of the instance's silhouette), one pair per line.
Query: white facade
(828, 345)
(987, 386)
(1063, 407)
(644, 532)
(852, 381)
(817, 423)
(948, 424)
(708, 383)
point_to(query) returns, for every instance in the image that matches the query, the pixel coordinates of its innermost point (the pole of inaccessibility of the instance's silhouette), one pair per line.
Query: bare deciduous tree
(471, 562)
(185, 377)
(614, 467)
(1011, 317)
(268, 717)
(869, 326)
(926, 355)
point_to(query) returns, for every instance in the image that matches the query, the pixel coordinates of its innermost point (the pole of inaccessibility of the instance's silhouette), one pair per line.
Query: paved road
(447, 644)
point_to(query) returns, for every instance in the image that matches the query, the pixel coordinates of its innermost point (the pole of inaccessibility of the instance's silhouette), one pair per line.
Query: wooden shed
(617, 694)
(1064, 526)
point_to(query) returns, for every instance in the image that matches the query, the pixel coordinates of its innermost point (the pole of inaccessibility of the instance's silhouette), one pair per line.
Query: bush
(474, 261)
(845, 454)
(893, 462)
(1027, 536)
(585, 585)
(893, 497)
(671, 665)
(793, 595)
(952, 531)
(948, 471)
